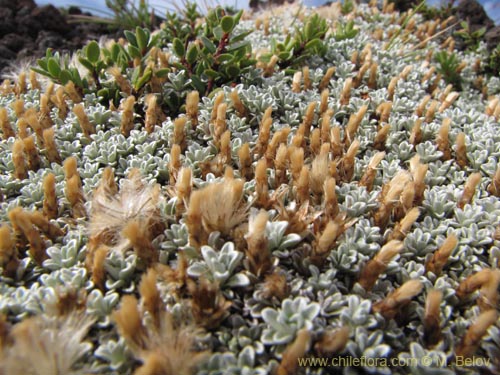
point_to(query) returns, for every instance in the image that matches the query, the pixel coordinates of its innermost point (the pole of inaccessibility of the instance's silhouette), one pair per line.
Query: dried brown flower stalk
(474, 282)
(275, 286)
(50, 146)
(5, 125)
(19, 160)
(461, 150)
(192, 101)
(368, 177)
(127, 120)
(324, 243)
(245, 162)
(494, 186)
(392, 304)
(469, 189)
(376, 266)
(21, 220)
(347, 162)
(381, 137)
(442, 139)
(416, 133)
(238, 104)
(401, 229)
(488, 294)
(31, 151)
(332, 341)
(258, 255)
(470, 342)
(120, 80)
(345, 95)
(325, 81)
(440, 257)
(432, 318)
(209, 307)
(8, 254)
(151, 118)
(83, 120)
(297, 349)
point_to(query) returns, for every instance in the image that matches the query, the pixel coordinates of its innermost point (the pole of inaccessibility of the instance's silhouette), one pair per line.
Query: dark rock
(492, 37)
(14, 42)
(404, 5)
(49, 39)
(7, 53)
(50, 18)
(474, 14)
(6, 24)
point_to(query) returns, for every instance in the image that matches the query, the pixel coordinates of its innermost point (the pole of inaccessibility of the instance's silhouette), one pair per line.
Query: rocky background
(27, 30)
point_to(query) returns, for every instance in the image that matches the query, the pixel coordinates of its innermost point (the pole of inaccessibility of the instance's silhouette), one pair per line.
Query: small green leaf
(232, 71)
(208, 44)
(93, 52)
(218, 33)
(53, 67)
(161, 73)
(131, 38)
(227, 24)
(192, 54)
(146, 77)
(86, 63)
(315, 44)
(65, 77)
(211, 73)
(42, 63)
(198, 84)
(142, 38)
(178, 47)
(134, 52)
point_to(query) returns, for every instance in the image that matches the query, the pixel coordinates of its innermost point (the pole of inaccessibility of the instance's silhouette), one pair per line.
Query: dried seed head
(5, 125)
(442, 139)
(469, 189)
(294, 351)
(319, 174)
(151, 118)
(401, 229)
(331, 203)
(494, 186)
(179, 134)
(258, 254)
(307, 79)
(470, 342)
(432, 318)
(381, 137)
(139, 237)
(129, 323)
(324, 101)
(332, 341)
(371, 171)
(473, 282)
(390, 306)
(8, 261)
(19, 160)
(297, 77)
(192, 101)
(345, 95)
(416, 133)
(127, 120)
(238, 104)
(375, 267)
(275, 286)
(325, 81)
(323, 245)
(120, 80)
(245, 162)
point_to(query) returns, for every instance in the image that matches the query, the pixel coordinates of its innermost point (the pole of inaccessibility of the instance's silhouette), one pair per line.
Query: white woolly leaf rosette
(220, 265)
(283, 324)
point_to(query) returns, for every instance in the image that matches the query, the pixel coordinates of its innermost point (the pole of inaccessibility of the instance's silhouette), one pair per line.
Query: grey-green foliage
(283, 324)
(219, 266)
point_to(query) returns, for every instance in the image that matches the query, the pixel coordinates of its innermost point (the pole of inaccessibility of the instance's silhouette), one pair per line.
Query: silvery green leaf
(238, 280)
(246, 358)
